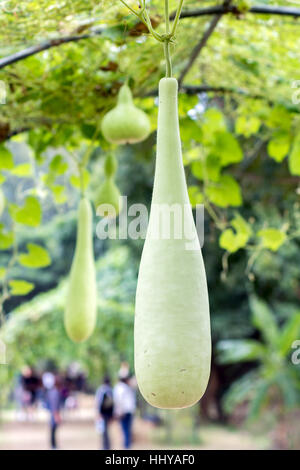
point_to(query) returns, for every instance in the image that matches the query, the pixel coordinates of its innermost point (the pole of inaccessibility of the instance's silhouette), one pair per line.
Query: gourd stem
(81, 178)
(176, 19)
(168, 59)
(167, 42)
(167, 15)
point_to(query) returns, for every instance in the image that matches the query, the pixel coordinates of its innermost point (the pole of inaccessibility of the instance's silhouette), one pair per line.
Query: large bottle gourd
(172, 327)
(81, 306)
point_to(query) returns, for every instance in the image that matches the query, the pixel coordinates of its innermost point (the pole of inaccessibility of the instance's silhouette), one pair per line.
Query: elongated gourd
(172, 326)
(2, 202)
(125, 123)
(81, 305)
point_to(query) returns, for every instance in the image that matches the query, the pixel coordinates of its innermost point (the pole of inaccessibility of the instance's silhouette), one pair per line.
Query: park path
(78, 432)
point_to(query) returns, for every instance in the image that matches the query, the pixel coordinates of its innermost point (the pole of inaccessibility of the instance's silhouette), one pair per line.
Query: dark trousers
(105, 436)
(126, 422)
(53, 434)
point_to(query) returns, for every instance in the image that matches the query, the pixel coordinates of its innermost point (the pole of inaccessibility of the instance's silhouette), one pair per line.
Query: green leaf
(214, 121)
(294, 158)
(58, 165)
(231, 241)
(75, 180)
(186, 103)
(226, 192)
(2, 178)
(278, 146)
(30, 214)
(37, 257)
(240, 390)
(6, 159)
(290, 332)
(289, 390)
(228, 148)
(279, 117)
(23, 170)
(247, 125)
(240, 225)
(244, 350)
(20, 287)
(272, 238)
(2, 273)
(59, 194)
(260, 398)
(189, 131)
(208, 168)
(6, 238)
(195, 195)
(263, 319)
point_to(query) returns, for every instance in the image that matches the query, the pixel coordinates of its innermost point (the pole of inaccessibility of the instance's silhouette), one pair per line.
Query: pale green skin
(81, 305)
(125, 123)
(2, 202)
(108, 194)
(172, 327)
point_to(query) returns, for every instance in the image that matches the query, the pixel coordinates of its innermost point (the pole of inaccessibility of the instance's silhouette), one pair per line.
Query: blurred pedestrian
(53, 404)
(105, 409)
(30, 384)
(125, 405)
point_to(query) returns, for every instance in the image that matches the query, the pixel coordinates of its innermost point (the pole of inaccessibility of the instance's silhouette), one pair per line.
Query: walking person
(105, 409)
(53, 405)
(125, 405)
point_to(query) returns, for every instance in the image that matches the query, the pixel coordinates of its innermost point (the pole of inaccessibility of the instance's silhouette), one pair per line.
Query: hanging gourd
(125, 124)
(172, 327)
(81, 305)
(108, 192)
(2, 202)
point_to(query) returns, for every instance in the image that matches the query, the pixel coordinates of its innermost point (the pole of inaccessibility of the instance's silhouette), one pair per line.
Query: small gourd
(108, 192)
(125, 123)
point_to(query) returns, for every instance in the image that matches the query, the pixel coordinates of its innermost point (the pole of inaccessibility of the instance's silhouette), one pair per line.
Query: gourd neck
(84, 227)
(125, 95)
(169, 182)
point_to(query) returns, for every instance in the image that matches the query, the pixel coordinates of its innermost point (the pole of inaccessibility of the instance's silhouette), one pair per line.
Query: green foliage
(279, 145)
(294, 158)
(30, 214)
(272, 238)
(35, 331)
(18, 287)
(233, 241)
(6, 238)
(275, 375)
(226, 192)
(36, 257)
(6, 159)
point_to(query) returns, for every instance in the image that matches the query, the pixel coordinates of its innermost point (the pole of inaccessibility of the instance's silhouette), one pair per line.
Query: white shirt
(124, 399)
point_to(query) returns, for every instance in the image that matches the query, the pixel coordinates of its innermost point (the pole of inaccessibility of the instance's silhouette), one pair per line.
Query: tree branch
(222, 9)
(29, 51)
(217, 10)
(197, 89)
(198, 48)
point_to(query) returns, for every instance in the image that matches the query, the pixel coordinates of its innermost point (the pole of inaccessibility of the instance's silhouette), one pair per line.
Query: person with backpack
(105, 410)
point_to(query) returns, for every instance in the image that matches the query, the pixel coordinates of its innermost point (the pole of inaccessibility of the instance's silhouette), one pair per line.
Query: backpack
(107, 404)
